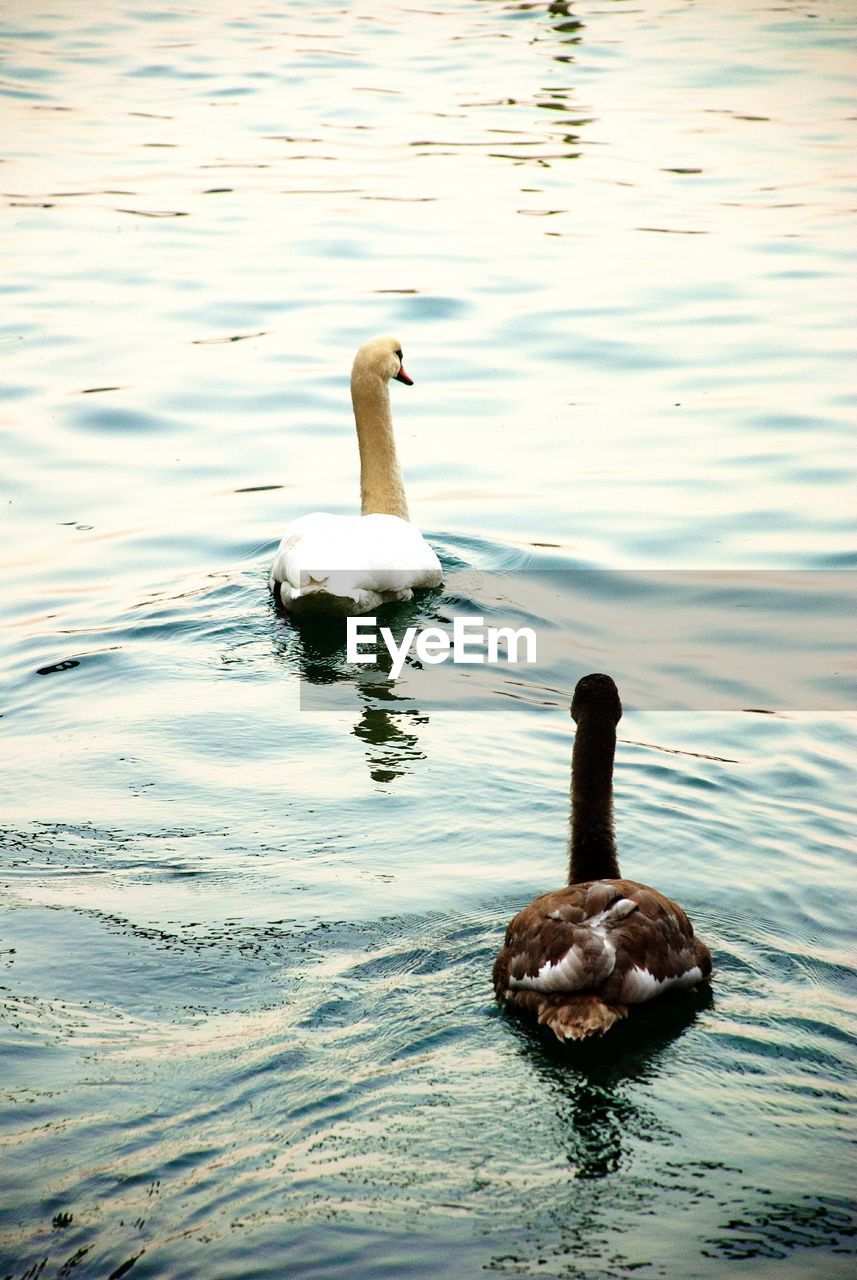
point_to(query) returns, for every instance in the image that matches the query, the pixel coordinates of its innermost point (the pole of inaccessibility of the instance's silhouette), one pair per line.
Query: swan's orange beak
(401, 376)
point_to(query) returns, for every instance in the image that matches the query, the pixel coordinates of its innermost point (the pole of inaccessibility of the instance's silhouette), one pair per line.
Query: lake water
(252, 892)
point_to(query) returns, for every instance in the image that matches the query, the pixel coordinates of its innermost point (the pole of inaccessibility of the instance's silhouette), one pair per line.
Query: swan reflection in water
(387, 723)
(586, 1082)
(385, 730)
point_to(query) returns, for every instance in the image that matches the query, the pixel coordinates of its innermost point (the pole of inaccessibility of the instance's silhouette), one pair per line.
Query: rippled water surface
(252, 891)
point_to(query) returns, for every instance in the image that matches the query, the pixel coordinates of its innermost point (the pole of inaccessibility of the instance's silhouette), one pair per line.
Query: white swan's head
(383, 358)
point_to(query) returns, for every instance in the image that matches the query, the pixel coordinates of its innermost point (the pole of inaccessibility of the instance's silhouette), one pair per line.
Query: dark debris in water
(674, 231)
(155, 213)
(65, 665)
(678, 751)
(68, 664)
(233, 337)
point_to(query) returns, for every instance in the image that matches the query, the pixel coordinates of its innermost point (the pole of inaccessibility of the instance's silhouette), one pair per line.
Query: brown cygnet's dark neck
(592, 844)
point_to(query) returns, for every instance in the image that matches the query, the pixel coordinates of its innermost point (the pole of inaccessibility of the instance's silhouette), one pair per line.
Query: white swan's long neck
(382, 490)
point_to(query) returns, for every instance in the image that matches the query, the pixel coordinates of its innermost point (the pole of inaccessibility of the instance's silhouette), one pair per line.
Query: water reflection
(598, 1121)
(386, 721)
(318, 647)
(384, 730)
(568, 30)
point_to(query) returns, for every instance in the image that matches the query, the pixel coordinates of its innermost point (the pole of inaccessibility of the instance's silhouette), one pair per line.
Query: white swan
(352, 564)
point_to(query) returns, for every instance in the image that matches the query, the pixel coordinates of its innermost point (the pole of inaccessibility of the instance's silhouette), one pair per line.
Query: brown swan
(578, 957)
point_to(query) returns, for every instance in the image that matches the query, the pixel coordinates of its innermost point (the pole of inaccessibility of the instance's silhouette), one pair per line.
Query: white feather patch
(568, 974)
(639, 985)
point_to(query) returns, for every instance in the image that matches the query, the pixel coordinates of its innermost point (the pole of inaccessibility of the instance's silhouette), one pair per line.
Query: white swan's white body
(328, 564)
(351, 564)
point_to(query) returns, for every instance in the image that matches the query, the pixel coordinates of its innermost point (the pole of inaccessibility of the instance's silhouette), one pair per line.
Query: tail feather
(578, 1017)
